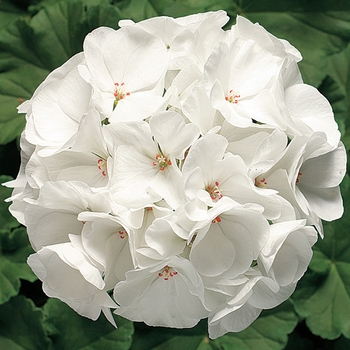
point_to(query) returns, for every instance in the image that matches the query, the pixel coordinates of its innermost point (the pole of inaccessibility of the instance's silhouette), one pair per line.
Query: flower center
(232, 97)
(167, 273)
(216, 220)
(161, 161)
(214, 191)
(262, 183)
(119, 93)
(299, 176)
(122, 234)
(102, 166)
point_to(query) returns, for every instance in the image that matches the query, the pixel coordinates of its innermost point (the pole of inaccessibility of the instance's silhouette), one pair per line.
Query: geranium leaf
(71, 331)
(336, 88)
(29, 50)
(7, 221)
(8, 13)
(323, 296)
(139, 10)
(21, 326)
(16, 86)
(14, 250)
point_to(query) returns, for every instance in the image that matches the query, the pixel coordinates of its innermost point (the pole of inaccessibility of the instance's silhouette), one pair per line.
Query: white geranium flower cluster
(174, 171)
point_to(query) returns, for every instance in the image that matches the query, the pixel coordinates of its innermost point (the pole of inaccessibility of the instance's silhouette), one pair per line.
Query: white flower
(254, 31)
(105, 240)
(125, 69)
(183, 37)
(54, 215)
(182, 168)
(58, 265)
(65, 97)
(287, 254)
(168, 294)
(150, 162)
(311, 112)
(87, 159)
(229, 240)
(251, 294)
(235, 75)
(211, 174)
(298, 178)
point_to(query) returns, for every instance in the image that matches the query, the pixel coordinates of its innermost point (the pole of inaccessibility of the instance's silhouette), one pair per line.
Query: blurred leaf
(294, 5)
(147, 337)
(336, 88)
(29, 50)
(302, 339)
(138, 10)
(21, 326)
(53, 35)
(323, 295)
(342, 344)
(8, 13)
(14, 250)
(187, 7)
(185, 342)
(7, 221)
(16, 86)
(72, 331)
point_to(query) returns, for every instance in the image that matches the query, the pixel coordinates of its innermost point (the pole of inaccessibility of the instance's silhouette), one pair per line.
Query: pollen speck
(232, 97)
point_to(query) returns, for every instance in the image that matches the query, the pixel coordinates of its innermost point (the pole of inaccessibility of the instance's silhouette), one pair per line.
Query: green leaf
(188, 7)
(186, 342)
(139, 10)
(323, 296)
(8, 13)
(342, 344)
(303, 339)
(21, 326)
(51, 36)
(72, 331)
(7, 221)
(16, 86)
(59, 31)
(146, 337)
(14, 250)
(336, 88)
(29, 50)
(294, 5)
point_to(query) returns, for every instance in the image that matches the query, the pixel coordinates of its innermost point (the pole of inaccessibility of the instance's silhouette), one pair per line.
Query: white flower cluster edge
(175, 171)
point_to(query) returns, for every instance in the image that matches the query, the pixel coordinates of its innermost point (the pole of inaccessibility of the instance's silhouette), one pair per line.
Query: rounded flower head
(173, 171)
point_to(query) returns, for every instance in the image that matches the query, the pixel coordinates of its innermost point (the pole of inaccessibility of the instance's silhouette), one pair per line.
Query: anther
(122, 234)
(262, 183)
(299, 176)
(216, 220)
(102, 166)
(167, 273)
(162, 161)
(119, 93)
(214, 191)
(232, 97)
